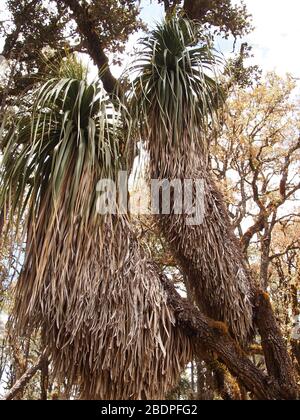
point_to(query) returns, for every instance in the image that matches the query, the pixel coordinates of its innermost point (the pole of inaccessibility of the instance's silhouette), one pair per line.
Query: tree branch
(23, 381)
(278, 362)
(196, 9)
(93, 43)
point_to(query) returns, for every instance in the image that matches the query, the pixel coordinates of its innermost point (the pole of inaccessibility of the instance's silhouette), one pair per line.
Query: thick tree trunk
(204, 382)
(208, 252)
(44, 381)
(212, 335)
(225, 384)
(196, 9)
(296, 353)
(193, 256)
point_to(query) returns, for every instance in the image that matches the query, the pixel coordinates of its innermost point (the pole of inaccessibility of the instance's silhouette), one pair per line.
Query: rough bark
(44, 379)
(198, 325)
(225, 384)
(278, 362)
(204, 382)
(221, 263)
(25, 378)
(214, 337)
(209, 254)
(1, 222)
(85, 27)
(257, 227)
(196, 9)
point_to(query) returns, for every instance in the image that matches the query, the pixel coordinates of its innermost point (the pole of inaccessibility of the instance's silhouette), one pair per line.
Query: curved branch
(214, 337)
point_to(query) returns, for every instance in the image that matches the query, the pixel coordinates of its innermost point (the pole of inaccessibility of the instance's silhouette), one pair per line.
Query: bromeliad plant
(85, 281)
(174, 103)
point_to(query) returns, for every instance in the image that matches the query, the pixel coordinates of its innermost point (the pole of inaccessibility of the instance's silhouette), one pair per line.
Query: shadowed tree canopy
(34, 29)
(69, 131)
